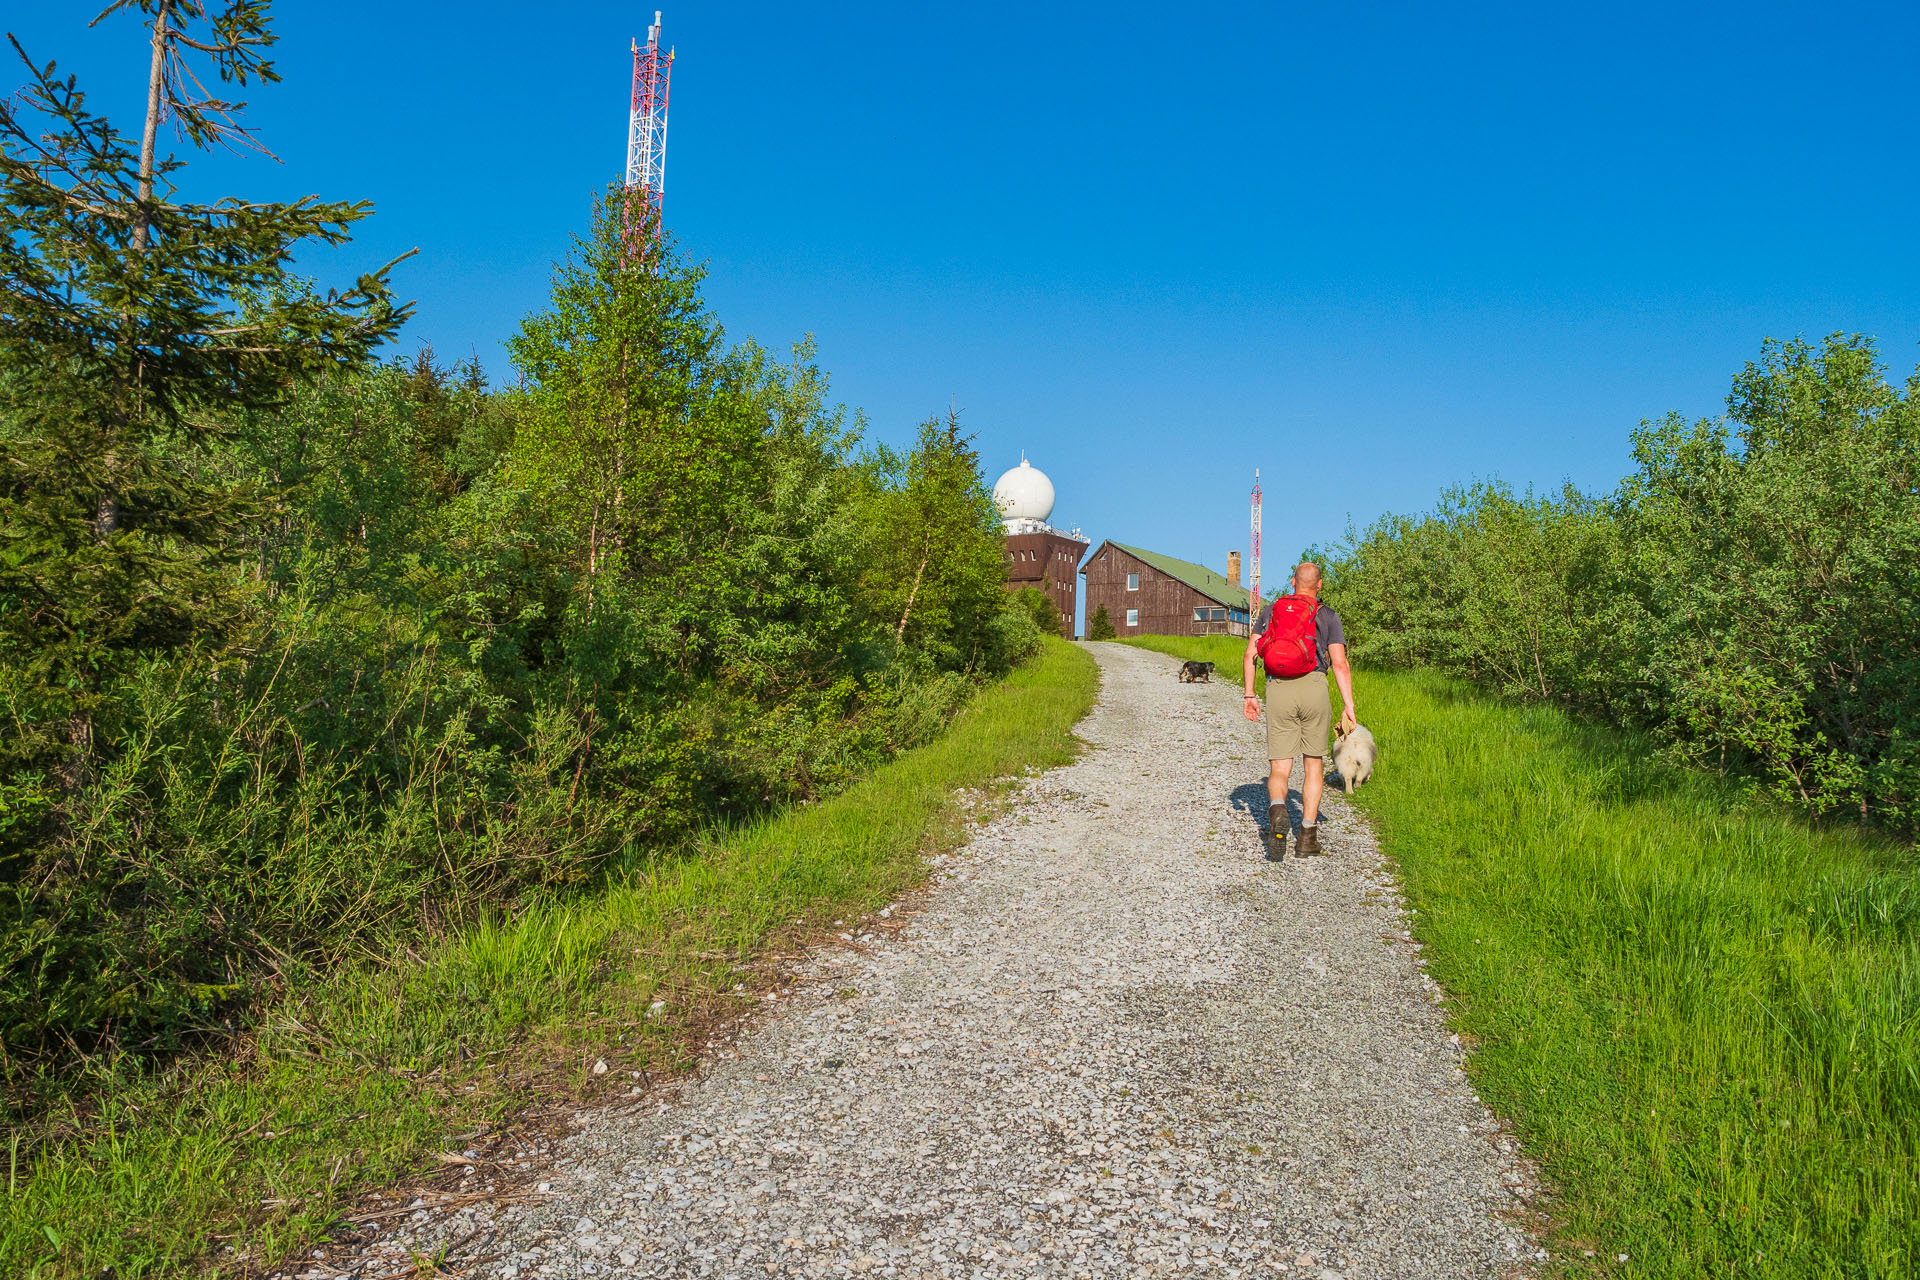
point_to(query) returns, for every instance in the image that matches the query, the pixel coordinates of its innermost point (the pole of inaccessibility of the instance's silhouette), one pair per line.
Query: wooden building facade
(1047, 560)
(1146, 593)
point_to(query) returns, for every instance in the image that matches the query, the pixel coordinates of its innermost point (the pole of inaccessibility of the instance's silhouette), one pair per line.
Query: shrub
(1100, 626)
(1040, 607)
(1013, 638)
(1748, 594)
(480, 642)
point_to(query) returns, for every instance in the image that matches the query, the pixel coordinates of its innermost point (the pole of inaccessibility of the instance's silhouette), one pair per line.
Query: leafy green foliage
(302, 656)
(1751, 593)
(131, 315)
(1100, 626)
(936, 559)
(1040, 605)
(1784, 558)
(374, 1064)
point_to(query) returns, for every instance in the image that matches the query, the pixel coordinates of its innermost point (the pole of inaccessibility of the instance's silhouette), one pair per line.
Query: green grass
(1702, 1016)
(361, 1076)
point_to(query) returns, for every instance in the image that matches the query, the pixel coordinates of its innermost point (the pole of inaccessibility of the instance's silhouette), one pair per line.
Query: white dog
(1354, 755)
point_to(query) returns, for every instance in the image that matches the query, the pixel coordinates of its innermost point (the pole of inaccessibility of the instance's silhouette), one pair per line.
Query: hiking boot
(1308, 845)
(1276, 832)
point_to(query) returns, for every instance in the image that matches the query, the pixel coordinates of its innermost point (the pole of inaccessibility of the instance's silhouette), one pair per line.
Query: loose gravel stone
(1116, 1043)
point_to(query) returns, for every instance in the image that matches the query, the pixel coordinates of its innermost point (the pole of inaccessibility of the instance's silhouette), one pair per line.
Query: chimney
(1233, 567)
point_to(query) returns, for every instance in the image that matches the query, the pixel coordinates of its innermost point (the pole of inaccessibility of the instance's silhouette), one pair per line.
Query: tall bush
(1751, 592)
(1039, 605)
(388, 648)
(129, 314)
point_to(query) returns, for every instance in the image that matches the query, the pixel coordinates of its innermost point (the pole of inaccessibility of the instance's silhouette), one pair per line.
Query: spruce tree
(136, 322)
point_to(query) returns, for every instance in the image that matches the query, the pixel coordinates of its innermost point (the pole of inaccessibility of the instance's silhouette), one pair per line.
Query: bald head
(1306, 578)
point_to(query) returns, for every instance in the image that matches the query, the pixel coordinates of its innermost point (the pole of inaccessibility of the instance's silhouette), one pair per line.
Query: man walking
(1299, 640)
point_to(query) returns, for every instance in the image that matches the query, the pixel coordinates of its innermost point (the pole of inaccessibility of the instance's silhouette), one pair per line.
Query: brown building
(1148, 594)
(1047, 560)
(1038, 555)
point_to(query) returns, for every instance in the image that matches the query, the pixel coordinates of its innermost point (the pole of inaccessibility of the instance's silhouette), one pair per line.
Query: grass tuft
(353, 1081)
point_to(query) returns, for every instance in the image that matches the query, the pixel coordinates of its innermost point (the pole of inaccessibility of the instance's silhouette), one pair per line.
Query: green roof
(1212, 585)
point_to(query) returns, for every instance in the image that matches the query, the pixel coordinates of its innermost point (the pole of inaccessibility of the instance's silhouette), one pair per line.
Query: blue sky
(1371, 249)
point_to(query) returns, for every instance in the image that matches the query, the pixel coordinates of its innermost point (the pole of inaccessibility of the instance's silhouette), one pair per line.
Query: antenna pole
(647, 137)
(1253, 601)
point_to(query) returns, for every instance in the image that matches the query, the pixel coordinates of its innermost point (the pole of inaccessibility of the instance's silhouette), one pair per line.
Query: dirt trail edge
(1117, 1043)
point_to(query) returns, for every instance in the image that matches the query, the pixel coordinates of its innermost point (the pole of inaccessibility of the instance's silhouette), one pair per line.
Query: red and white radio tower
(1253, 609)
(647, 122)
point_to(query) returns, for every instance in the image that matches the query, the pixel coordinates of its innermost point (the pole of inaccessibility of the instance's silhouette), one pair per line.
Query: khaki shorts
(1299, 716)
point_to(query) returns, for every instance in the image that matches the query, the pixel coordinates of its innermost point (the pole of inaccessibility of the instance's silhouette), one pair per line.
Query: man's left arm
(1343, 676)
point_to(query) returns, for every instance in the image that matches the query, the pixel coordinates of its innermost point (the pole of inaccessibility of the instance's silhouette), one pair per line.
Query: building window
(1133, 582)
(1219, 615)
(1133, 617)
(1238, 615)
(1199, 615)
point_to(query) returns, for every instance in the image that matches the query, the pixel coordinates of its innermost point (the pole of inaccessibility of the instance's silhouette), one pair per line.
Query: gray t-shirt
(1326, 630)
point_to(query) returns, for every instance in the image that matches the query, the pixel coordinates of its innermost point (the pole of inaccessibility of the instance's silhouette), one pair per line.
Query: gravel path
(1117, 1043)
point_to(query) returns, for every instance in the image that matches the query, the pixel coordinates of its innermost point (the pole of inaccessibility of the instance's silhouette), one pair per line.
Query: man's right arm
(1250, 704)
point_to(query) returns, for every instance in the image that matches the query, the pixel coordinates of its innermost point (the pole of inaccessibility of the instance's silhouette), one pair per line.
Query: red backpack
(1287, 646)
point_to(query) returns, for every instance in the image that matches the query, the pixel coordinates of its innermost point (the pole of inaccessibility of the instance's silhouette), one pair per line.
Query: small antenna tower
(1253, 609)
(647, 125)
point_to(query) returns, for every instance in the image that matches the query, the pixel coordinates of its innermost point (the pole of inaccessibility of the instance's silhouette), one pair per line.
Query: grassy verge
(360, 1076)
(1702, 1017)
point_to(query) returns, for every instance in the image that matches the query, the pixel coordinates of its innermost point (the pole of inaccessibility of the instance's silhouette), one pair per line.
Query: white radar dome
(1024, 495)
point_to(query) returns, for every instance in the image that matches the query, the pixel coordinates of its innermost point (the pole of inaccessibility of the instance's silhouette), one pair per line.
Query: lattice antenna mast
(647, 122)
(1253, 611)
